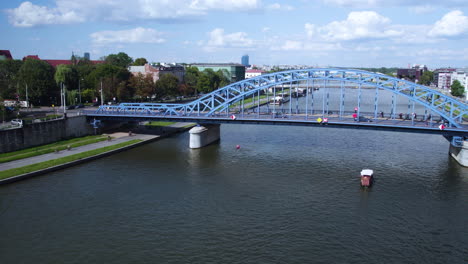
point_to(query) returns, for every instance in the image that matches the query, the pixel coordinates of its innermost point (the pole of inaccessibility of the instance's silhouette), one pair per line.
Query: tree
(140, 62)
(9, 78)
(203, 84)
(457, 89)
(120, 60)
(142, 85)
(191, 77)
(223, 78)
(110, 76)
(124, 91)
(62, 74)
(426, 78)
(167, 85)
(38, 78)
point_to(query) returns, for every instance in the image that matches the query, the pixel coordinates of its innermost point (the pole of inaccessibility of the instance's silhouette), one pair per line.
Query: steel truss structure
(232, 98)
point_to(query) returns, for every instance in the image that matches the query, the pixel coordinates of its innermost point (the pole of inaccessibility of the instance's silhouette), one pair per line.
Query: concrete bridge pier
(460, 153)
(201, 136)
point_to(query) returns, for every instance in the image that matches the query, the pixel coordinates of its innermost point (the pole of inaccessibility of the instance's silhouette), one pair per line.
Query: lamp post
(27, 98)
(102, 95)
(79, 88)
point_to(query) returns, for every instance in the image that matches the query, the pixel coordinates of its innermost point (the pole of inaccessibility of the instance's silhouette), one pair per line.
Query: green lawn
(61, 145)
(159, 123)
(47, 164)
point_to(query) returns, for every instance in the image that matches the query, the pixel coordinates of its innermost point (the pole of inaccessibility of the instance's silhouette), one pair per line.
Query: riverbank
(38, 165)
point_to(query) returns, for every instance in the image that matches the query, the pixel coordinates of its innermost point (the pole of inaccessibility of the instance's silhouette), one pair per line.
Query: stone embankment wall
(44, 133)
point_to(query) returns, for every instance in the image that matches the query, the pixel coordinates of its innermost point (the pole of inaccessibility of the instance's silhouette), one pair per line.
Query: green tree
(140, 62)
(142, 85)
(120, 60)
(426, 78)
(191, 78)
(38, 78)
(88, 95)
(457, 89)
(124, 91)
(167, 85)
(9, 78)
(223, 78)
(203, 84)
(63, 74)
(110, 76)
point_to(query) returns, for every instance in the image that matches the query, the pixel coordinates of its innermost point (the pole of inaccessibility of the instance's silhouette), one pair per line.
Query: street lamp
(102, 95)
(79, 88)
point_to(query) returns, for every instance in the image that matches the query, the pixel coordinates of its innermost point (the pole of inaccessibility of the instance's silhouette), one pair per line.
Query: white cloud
(358, 25)
(218, 39)
(292, 45)
(452, 24)
(72, 11)
(422, 9)
(311, 30)
(136, 35)
(353, 3)
(397, 3)
(28, 15)
(282, 7)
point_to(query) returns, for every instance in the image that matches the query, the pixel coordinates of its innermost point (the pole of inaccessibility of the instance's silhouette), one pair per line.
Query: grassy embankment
(47, 164)
(61, 145)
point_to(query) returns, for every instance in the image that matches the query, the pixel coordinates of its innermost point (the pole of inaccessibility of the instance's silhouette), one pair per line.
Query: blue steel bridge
(347, 98)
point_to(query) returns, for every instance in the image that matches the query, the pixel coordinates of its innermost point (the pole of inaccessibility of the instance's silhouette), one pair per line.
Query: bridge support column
(460, 153)
(201, 136)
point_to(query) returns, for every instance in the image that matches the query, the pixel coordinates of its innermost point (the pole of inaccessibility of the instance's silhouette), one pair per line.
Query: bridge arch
(222, 100)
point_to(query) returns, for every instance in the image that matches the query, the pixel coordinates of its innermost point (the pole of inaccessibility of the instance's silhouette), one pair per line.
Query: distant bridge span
(249, 97)
(345, 98)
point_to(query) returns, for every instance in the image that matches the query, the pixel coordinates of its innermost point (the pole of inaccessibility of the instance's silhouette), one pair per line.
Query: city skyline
(354, 33)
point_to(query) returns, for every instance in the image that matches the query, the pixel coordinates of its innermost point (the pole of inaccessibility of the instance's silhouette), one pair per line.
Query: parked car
(17, 122)
(364, 119)
(80, 106)
(70, 107)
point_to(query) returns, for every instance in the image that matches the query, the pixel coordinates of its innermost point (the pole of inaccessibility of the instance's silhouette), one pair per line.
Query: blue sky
(346, 33)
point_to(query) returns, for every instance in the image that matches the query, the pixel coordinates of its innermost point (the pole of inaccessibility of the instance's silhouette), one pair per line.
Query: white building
(444, 80)
(250, 73)
(461, 75)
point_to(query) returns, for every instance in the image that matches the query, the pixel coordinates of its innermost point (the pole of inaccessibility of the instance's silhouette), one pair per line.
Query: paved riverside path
(117, 138)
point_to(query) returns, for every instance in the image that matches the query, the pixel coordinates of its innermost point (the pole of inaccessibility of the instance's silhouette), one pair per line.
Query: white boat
(281, 98)
(367, 177)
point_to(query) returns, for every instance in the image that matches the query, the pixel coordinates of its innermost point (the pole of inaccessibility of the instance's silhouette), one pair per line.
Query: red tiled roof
(6, 53)
(254, 71)
(55, 63)
(36, 57)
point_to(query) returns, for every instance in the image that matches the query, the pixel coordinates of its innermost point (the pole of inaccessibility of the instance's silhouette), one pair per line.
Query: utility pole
(64, 100)
(27, 98)
(102, 95)
(79, 88)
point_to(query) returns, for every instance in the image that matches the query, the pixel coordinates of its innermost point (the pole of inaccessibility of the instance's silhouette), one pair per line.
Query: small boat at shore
(367, 177)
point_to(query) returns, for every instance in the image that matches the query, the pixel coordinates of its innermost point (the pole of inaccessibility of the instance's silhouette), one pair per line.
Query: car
(364, 119)
(17, 122)
(70, 107)
(80, 106)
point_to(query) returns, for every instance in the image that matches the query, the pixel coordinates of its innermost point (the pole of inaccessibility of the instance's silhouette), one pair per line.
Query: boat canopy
(367, 172)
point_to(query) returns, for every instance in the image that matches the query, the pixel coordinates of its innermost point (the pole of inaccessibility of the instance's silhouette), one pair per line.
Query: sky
(343, 33)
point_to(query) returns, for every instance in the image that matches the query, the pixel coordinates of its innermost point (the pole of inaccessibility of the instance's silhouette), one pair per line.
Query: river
(288, 195)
